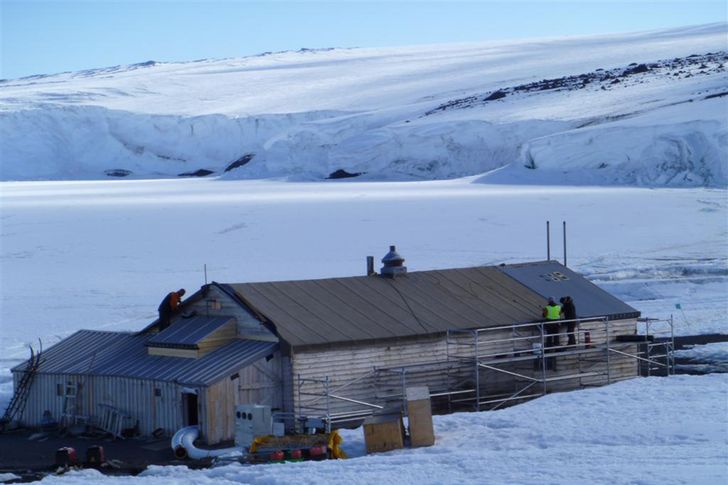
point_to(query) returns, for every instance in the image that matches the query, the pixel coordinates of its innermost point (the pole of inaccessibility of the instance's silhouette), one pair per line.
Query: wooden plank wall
(346, 362)
(258, 383)
(217, 339)
(276, 381)
(135, 397)
(493, 346)
(218, 303)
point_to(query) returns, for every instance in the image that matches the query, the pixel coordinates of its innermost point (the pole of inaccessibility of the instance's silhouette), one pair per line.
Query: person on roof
(568, 309)
(552, 314)
(169, 306)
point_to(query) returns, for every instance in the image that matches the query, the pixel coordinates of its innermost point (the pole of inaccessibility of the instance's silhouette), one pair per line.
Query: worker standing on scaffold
(552, 314)
(568, 309)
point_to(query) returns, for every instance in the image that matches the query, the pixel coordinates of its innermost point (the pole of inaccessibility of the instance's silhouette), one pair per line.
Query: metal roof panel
(123, 354)
(188, 332)
(310, 312)
(552, 279)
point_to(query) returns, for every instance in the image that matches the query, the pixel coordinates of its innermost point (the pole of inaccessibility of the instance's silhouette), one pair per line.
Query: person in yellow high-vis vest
(552, 314)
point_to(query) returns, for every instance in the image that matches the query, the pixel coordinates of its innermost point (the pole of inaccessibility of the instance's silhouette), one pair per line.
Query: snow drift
(636, 109)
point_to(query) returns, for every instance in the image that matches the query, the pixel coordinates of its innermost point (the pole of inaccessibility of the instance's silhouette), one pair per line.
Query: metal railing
(525, 356)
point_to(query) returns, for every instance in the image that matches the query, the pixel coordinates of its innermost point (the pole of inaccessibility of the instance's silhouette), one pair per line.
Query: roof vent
(393, 264)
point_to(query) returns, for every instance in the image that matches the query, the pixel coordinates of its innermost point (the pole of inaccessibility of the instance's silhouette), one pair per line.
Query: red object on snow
(277, 456)
(317, 451)
(296, 454)
(95, 455)
(66, 456)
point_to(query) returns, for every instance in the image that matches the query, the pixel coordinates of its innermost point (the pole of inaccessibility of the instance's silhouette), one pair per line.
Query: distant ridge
(641, 109)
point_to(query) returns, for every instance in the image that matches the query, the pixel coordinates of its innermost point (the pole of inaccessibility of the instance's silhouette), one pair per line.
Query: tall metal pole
(543, 358)
(404, 391)
(477, 371)
(205, 269)
(328, 405)
(548, 242)
(299, 406)
(671, 358)
(648, 349)
(609, 366)
(564, 243)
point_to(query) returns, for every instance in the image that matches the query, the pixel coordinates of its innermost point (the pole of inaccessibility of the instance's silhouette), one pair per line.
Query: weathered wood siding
(158, 404)
(496, 348)
(259, 383)
(134, 397)
(344, 363)
(448, 364)
(218, 303)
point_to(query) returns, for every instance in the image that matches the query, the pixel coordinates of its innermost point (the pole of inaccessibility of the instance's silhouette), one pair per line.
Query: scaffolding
(488, 368)
(658, 347)
(592, 352)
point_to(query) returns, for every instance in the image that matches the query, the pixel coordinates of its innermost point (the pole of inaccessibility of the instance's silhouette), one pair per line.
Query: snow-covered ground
(630, 109)
(704, 358)
(643, 431)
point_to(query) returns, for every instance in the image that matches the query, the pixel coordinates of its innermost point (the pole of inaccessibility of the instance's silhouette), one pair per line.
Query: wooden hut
(338, 349)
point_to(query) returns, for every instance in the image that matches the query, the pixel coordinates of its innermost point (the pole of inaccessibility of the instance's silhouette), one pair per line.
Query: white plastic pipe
(183, 445)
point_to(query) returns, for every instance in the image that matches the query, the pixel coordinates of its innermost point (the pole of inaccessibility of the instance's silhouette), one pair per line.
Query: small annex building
(336, 349)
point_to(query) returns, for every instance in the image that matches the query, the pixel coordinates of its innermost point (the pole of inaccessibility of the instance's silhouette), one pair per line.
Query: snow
(631, 432)
(306, 114)
(705, 358)
(716, 352)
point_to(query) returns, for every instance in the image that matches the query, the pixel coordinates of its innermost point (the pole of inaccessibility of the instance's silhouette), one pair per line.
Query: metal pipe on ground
(183, 445)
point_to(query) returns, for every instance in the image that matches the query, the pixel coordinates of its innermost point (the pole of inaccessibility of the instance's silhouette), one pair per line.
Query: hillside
(645, 109)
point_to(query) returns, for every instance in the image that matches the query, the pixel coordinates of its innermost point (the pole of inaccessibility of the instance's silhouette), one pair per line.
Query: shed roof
(552, 279)
(188, 332)
(123, 354)
(368, 307)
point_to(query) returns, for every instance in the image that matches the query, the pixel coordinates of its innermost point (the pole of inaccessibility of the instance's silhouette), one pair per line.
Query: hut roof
(371, 307)
(188, 332)
(311, 312)
(122, 354)
(552, 279)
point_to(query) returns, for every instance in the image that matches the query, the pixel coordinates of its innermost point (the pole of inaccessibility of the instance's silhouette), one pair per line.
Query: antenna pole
(548, 241)
(205, 270)
(564, 243)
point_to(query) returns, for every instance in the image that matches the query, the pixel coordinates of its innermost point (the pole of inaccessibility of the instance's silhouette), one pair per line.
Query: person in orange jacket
(168, 307)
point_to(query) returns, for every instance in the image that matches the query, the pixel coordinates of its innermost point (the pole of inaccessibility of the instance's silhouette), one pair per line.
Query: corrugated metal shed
(121, 354)
(188, 332)
(550, 278)
(371, 307)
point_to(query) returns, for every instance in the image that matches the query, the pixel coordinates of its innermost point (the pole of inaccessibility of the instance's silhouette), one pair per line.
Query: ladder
(22, 391)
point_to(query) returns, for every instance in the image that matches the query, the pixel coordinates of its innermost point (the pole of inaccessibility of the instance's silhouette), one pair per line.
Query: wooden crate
(419, 416)
(384, 432)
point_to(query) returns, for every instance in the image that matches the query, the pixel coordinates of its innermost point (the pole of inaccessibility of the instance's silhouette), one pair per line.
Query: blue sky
(54, 36)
